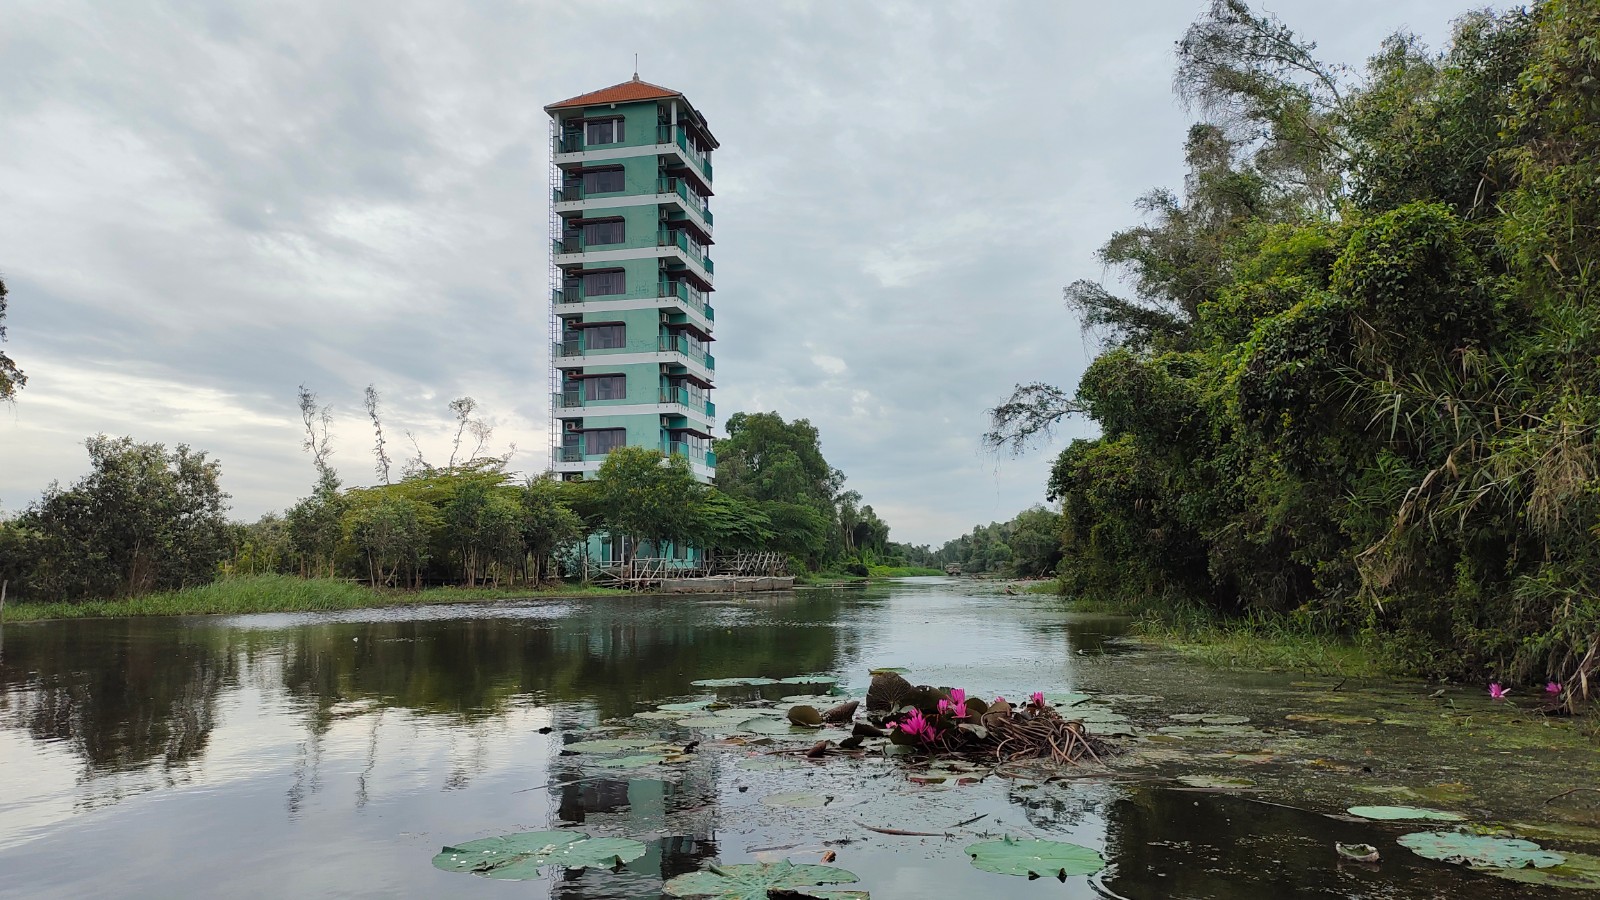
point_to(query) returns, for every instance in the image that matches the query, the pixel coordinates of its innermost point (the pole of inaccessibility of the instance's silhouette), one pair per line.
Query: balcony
(690, 296)
(676, 237)
(692, 453)
(695, 203)
(677, 343)
(677, 134)
(695, 403)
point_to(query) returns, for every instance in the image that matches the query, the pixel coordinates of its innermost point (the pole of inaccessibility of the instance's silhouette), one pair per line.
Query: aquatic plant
(1552, 687)
(1497, 692)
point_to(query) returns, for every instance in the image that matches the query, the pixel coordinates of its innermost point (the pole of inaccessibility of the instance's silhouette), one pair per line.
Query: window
(606, 387)
(596, 284)
(607, 337)
(608, 131)
(611, 231)
(603, 181)
(604, 440)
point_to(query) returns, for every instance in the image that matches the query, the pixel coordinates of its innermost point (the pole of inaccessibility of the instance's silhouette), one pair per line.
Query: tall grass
(269, 593)
(902, 571)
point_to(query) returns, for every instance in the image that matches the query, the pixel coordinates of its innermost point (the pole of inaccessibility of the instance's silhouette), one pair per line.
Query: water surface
(333, 754)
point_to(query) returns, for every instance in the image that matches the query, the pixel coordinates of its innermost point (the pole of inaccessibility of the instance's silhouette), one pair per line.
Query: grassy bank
(1262, 644)
(272, 593)
(902, 571)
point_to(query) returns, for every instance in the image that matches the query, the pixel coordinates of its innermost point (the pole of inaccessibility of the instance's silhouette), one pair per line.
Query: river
(335, 754)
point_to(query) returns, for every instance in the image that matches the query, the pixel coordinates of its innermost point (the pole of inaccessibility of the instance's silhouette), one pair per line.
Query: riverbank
(276, 593)
(1234, 644)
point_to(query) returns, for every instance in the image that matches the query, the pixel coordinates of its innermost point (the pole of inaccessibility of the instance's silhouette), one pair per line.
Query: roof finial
(636, 67)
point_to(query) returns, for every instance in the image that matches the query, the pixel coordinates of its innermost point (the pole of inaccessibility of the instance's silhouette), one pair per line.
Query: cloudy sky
(206, 203)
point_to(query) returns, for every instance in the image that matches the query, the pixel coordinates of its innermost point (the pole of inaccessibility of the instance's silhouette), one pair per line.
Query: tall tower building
(630, 278)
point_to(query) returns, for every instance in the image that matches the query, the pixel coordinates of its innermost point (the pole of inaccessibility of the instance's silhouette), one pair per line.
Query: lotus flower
(1038, 698)
(918, 727)
(1552, 687)
(999, 700)
(958, 702)
(1497, 692)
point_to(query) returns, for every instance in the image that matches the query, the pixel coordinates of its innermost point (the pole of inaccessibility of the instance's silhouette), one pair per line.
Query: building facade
(630, 278)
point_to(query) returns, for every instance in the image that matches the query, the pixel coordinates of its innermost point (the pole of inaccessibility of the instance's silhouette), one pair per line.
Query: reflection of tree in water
(126, 694)
(122, 694)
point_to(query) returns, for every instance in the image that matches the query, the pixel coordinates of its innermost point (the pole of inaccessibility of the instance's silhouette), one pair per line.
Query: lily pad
(1404, 813)
(636, 761)
(709, 722)
(1581, 872)
(1480, 851)
(609, 745)
(1215, 781)
(812, 699)
(1337, 720)
(752, 881)
(805, 715)
(1213, 731)
(1035, 859)
(1210, 719)
(733, 682)
(691, 706)
(775, 727)
(661, 714)
(1357, 852)
(809, 679)
(515, 857)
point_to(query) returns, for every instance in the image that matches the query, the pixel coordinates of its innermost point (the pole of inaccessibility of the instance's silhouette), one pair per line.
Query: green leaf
(752, 881)
(797, 800)
(1036, 859)
(629, 762)
(809, 679)
(515, 857)
(609, 745)
(1401, 813)
(709, 722)
(734, 682)
(691, 706)
(1479, 850)
(1580, 872)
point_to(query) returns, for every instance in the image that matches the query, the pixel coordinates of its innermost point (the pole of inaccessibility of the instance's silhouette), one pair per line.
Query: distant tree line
(147, 519)
(1355, 380)
(1028, 546)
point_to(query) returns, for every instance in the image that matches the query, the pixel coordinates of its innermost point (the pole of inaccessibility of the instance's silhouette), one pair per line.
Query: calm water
(333, 754)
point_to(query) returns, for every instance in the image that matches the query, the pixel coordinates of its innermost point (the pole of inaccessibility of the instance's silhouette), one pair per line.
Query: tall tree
(11, 377)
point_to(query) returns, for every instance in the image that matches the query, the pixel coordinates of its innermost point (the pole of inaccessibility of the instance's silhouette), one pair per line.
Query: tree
(547, 524)
(380, 454)
(11, 377)
(391, 532)
(143, 519)
(645, 496)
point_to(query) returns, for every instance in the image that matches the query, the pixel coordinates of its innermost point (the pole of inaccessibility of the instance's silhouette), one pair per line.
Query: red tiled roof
(626, 92)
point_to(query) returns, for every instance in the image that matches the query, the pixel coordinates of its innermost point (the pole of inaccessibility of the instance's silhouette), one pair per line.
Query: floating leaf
(691, 706)
(842, 712)
(1478, 850)
(515, 857)
(797, 799)
(805, 715)
(661, 714)
(1068, 699)
(1213, 731)
(1337, 720)
(887, 690)
(609, 745)
(709, 722)
(752, 881)
(1210, 718)
(1215, 781)
(733, 682)
(809, 679)
(1404, 813)
(1581, 872)
(777, 727)
(629, 762)
(1357, 852)
(977, 731)
(813, 699)
(1035, 859)
(898, 670)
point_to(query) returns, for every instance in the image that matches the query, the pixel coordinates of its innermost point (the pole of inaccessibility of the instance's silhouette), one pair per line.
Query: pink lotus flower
(999, 699)
(1497, 692)
(1552, 687)
(958, 702)
(1038, 698)
(918, 727)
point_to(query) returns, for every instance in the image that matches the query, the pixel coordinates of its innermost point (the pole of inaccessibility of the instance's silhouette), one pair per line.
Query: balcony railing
(571, 454)
(691, 452)
(692, 297)
(667, 184)
(677, 343)
(676, 237)
(694, 402)
(571, 142)
(677, 134)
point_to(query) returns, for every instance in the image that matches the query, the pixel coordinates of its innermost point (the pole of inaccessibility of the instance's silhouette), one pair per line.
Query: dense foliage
(1028, 546)
(1358, 381)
